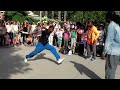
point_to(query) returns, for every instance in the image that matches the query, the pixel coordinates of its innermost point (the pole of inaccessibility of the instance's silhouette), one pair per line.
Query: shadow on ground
(11, 64)
(42, 56)
(83, 69)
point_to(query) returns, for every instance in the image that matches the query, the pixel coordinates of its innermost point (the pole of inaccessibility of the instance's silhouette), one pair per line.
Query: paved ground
(12, 66)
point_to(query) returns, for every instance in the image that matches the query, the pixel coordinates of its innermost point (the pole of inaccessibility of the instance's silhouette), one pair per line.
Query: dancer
(43, 44)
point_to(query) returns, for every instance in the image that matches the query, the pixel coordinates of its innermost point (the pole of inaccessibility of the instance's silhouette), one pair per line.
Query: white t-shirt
(68, 26)
(47, 27)
(73, 26)
(15, 27)
(57, 26)
(33, 27)
(51, 34)
(8, 27)
(101, 35)
(101, 38)
(59, 33)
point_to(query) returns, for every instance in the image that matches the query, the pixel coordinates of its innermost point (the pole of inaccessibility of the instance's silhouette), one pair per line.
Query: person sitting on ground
(16, 40)
(29, 40)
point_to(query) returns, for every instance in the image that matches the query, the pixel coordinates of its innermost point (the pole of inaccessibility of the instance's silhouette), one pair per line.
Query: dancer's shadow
(42, 56)
(83, 69)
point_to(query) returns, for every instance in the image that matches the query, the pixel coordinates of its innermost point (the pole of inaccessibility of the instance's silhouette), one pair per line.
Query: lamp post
(59, 15)
(65, 15)
(40, 16)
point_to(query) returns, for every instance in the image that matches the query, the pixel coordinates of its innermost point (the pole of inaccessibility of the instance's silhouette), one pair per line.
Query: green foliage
(98, 16)
(82, 16)
(18, 16)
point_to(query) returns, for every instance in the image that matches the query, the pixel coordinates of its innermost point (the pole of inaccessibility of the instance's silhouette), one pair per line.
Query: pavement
(12, 66)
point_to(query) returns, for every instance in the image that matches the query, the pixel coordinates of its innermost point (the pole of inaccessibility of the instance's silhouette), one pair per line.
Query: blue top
(112, 43)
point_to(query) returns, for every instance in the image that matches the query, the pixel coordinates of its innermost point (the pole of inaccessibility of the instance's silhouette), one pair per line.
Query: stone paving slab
(12, 66)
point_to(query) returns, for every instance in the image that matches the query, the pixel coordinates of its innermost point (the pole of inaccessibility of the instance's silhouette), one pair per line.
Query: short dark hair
(117, 19)
(111, 15)
(91, 21)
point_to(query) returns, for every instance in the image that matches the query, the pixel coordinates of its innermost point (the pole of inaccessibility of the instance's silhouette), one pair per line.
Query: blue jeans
(40, 48)
(84, 42)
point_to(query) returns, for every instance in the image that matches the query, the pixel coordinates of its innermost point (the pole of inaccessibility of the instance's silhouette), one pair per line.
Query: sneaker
(25, 60)
(15, 46)
(93, 59)
(60, 60)
(89, 58)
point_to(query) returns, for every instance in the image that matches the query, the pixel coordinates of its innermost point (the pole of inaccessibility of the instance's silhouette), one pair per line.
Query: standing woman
(11, 32)
(15, 27)
(24, 31)
(33, 26)
(2, 33)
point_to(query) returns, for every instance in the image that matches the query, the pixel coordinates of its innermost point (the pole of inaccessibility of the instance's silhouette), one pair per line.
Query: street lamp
(40, 16)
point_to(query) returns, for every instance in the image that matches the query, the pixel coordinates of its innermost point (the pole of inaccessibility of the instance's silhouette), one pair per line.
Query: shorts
(60, 40)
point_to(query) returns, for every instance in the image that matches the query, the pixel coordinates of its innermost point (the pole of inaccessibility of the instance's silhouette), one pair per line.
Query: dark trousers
(55, 39)
(24, 37)
(11, 36)
(91, 50)
(2, 40)
(112, 62)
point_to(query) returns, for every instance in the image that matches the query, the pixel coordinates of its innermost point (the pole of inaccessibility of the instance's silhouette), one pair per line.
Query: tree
(98, 16)
(17, 16)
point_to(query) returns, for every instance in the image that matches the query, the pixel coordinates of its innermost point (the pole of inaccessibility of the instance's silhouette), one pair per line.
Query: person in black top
(25, 32)
(43, 44)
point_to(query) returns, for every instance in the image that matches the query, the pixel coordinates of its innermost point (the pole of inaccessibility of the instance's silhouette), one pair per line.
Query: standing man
(43, 44)
(112, 45)
(92, 36)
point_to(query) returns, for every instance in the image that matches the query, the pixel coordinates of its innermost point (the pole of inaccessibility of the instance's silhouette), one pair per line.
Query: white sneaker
(25, 60)
(60, 60)
(70, 52)
(15, 46)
